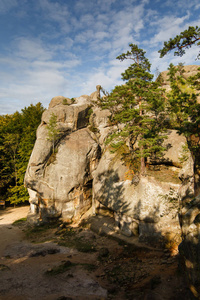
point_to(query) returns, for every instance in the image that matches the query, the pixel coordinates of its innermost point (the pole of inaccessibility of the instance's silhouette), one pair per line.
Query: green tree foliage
(17, 137)
(137, 110)
(184, 40)
(183, 103)
(53, 131)
(183, 108)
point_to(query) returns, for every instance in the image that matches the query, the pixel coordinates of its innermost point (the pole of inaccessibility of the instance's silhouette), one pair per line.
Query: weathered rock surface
(189, 195)
(190, 70)
(189, 211)
(147, 205)
(83, 174)
(60, 183)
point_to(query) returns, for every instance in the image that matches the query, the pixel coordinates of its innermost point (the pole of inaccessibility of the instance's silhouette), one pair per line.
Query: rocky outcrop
(190, 70)
(189, 248)
(60, 183)
(189, 211)
(84, 175)
(147, 205)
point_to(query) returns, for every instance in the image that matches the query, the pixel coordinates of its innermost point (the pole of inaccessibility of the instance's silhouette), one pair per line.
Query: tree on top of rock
(137, 109)
(182, 99)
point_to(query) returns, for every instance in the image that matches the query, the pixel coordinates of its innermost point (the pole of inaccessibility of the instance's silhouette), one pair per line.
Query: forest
(17, 138)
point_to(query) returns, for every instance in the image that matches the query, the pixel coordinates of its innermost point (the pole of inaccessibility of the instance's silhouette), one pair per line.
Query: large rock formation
(83, 176)
(147, 205)
(60, 183)
(82, 173)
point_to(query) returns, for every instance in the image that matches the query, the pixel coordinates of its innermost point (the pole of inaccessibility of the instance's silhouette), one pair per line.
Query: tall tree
(137, 109)
(187, 106)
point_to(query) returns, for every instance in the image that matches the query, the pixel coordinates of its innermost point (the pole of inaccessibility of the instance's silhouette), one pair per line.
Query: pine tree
(184, 40)
(137, 110)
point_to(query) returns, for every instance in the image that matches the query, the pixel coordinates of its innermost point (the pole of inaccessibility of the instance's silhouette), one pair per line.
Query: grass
(60, 269)
(164, 174)
(120, 275)
(68, 239)
(40, 233)
(77, 243)
(64, 236)
(89, 267)
(20, 221)
(4, 267)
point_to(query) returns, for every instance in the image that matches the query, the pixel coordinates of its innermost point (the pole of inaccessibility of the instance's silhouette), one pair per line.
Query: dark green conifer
(137, 110)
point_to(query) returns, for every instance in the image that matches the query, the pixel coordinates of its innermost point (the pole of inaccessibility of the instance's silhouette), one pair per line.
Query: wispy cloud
(168, 27)
(68, 47)
(6, 5)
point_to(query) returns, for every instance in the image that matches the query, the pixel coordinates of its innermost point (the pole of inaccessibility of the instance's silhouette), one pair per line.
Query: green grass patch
(67, 266)
(69, 239)
(89, 267)
(40, 232)
(20, 221)
(4, 267)
(60, 269)
(76, 243)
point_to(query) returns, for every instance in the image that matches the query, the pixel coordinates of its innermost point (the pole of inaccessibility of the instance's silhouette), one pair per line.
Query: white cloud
(76, 46)
(169, 26)
(181, 4)
(59, 13)
(163, 63)
(31, 72)
(6, 5)
(31, 49)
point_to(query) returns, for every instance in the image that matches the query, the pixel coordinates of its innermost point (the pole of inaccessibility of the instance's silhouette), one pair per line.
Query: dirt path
(23, 267)
(10, 234)
(62, 263)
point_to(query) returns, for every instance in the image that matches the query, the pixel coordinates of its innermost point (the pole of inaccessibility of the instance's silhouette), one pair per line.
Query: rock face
(60, 183)
(82, 174)
(189, 248)
(189, 70)
(147, 205)
(189, 211)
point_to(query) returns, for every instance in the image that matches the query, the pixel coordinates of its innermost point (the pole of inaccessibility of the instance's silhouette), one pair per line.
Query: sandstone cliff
(83, 176)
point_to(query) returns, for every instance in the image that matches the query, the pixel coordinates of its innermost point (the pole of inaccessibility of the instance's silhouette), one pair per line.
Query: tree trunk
(142, 160)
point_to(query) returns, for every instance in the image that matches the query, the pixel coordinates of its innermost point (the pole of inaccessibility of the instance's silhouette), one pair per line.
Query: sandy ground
(10, 234)
(41, 266)
(23, 266)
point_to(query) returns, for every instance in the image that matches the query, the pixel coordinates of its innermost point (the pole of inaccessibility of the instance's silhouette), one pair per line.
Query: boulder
(66, 179)
(60, 100)
(69, 117)
(59, 182)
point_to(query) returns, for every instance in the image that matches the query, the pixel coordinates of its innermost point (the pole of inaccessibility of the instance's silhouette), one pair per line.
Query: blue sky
(67, 47)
